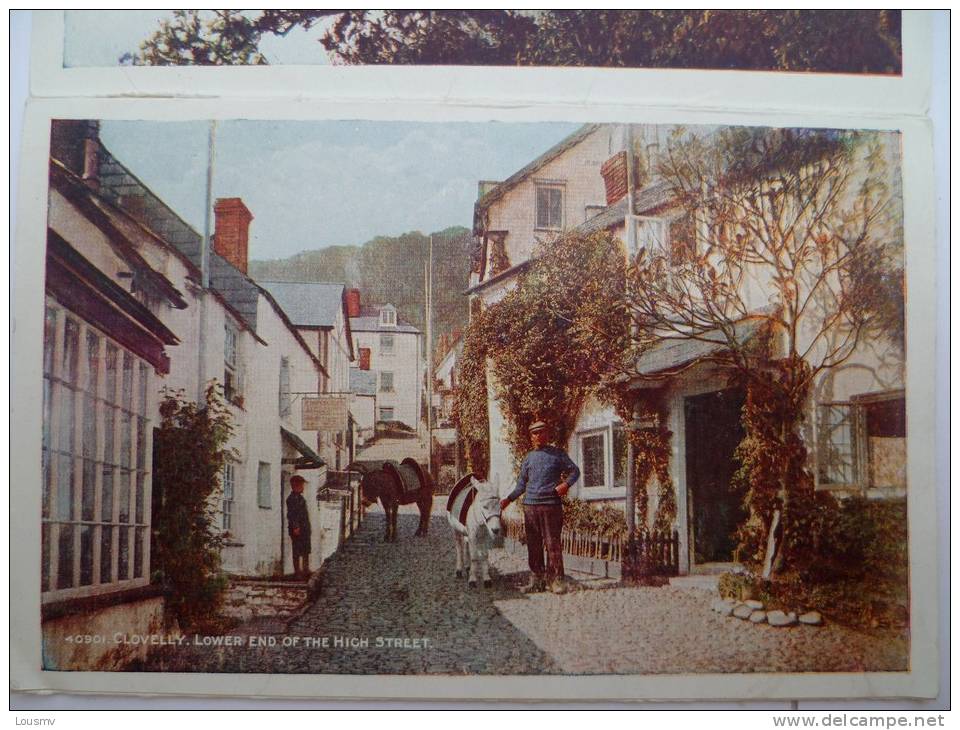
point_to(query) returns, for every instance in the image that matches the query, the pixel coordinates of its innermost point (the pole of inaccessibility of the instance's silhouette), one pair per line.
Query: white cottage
(234, 332)
(391, 351)
(319, 312)
(857, 435)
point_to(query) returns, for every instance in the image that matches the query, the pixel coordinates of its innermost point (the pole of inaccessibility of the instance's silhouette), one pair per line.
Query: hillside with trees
(390, 269)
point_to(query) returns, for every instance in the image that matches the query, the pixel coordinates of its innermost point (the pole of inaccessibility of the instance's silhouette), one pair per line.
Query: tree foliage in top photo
(840, 41)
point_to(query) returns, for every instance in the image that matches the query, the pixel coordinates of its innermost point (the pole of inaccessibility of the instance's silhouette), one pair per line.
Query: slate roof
(610, 216)
(307, 303)
(369, 321)
(363, 382)
(651, 197)
(671, 354)
(127, 192)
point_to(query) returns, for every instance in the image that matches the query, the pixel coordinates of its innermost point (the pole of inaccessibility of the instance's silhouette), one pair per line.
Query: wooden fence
(659, 552)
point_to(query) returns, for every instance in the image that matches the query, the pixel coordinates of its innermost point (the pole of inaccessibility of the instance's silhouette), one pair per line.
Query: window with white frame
(861, 443)
(231, 370)
(675, 236)
(94, 521)
(885, 435)
(836, 445)
(263, 485)
(549, 206)
(386, 344)
(228, 505)
(386, 381)
(386, 413)
(388, 316)
(593, 458)
(284, 386)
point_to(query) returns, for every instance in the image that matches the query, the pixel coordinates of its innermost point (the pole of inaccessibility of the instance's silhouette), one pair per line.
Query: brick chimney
(353, 302)
(231, 234)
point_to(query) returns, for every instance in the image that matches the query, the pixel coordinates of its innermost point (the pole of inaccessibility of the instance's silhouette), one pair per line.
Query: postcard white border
(27, 299)
(908, 93)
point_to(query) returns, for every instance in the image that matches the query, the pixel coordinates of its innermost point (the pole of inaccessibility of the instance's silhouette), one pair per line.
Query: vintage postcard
(637, 406)
(367, 400)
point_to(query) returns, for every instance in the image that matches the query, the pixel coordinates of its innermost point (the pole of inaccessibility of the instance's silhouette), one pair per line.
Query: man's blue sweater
(542, 470)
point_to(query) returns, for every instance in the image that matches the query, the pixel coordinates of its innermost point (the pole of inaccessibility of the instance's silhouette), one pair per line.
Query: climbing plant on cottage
(546, 345)
(806, 219)
(190, 453)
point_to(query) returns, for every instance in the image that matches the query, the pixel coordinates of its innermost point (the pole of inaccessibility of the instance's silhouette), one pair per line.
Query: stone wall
(106, 639)
(252, 598)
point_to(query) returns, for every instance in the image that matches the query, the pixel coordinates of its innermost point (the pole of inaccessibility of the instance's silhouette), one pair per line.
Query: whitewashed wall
(406, 364)
(579, 169)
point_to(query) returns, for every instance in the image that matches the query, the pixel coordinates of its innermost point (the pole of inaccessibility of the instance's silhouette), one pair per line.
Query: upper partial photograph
(819, 41)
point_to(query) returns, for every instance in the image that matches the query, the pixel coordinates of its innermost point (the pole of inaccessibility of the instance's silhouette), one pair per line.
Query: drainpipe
(630, 560)
(205, 268)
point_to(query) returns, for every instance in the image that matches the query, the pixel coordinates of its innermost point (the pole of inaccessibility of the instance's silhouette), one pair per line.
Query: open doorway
(715, 508)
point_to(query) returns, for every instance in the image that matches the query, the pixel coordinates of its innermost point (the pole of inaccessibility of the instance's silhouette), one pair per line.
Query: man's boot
(534, 585)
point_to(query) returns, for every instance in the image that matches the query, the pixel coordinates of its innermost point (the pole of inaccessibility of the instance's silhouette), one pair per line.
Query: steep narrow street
(396, 608)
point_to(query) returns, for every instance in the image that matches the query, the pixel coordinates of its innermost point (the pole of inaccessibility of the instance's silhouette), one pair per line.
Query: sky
(320, 183)
(101, 37)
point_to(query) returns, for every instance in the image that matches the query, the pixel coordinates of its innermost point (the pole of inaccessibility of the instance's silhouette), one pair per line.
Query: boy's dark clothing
(298, 517)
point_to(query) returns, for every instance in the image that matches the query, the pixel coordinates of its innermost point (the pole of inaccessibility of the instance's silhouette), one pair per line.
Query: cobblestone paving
(395, 592)
(406, 592)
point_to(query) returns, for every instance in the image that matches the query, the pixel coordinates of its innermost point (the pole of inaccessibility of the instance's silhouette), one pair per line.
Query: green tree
(850, 41)
(190, 452)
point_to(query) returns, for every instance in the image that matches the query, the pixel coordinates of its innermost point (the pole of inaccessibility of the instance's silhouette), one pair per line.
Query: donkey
(473, 511)
(395, 484)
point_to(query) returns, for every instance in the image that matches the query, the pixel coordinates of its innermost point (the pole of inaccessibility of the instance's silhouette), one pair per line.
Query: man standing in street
(547, 473)
(298, 526)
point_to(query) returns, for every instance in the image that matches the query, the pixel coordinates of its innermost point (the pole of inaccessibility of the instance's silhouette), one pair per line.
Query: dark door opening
(715, 507)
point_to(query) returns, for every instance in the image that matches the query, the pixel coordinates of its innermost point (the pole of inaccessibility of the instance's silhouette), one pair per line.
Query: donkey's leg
(474, 571)
(459, 542)
(394, 509)
(386, 515)
(425, 503)
(474, 562)
(484, 560)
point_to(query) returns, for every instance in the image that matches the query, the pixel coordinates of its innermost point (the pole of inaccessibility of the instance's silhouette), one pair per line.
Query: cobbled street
(407, 591)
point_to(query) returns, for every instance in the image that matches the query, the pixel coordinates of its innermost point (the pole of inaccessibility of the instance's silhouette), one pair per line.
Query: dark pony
(395, 484)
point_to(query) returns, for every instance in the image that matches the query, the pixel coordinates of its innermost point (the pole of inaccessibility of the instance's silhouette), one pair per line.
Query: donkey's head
(372, 486)
(487, 504)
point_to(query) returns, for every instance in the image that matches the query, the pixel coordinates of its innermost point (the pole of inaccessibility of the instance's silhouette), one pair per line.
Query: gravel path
(405, 596)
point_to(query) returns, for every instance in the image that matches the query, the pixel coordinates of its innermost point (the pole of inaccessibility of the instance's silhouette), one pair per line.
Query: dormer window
(388, 317)
(550, 206)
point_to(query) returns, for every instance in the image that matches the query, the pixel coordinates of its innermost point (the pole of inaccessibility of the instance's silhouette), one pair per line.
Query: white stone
(811, 618)
(758, 617)
(779, 618)
(723, 605)
(756, 605)
(742, 611)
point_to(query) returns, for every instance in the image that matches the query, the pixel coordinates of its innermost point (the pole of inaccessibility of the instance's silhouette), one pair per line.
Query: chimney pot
(231, 237)
(353, 302)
